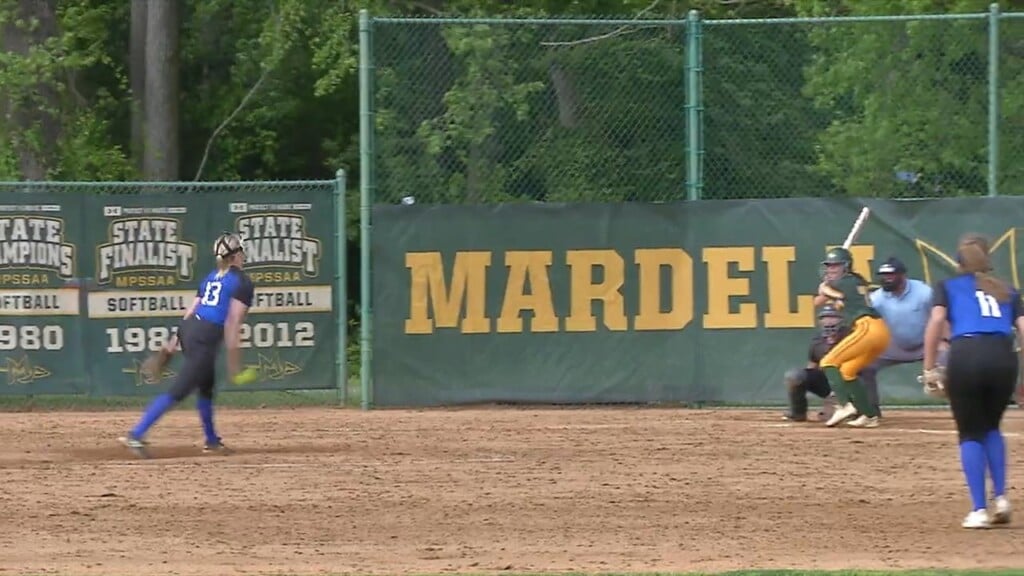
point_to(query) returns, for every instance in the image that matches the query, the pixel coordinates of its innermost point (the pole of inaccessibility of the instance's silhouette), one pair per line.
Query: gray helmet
(829, 328)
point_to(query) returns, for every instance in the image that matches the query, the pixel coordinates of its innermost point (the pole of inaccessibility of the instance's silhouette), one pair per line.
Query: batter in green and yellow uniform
(866, 341)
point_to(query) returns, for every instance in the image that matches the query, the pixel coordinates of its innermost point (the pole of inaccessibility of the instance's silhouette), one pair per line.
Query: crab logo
(936, 263)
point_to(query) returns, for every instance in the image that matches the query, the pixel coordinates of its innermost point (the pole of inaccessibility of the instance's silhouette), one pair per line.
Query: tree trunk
(32, 108)
(161, 91)
(137, 74)
(565, 94)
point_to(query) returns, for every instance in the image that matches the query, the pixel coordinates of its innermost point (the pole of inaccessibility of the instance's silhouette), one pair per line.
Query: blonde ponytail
(973, 258)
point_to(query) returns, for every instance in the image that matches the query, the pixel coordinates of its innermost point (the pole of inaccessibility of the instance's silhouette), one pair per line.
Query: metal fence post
(694, 106)
(366, 193)
(341, 286)
(993, 99)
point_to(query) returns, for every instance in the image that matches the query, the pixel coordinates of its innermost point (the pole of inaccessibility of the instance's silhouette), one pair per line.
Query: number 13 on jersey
(211, 297)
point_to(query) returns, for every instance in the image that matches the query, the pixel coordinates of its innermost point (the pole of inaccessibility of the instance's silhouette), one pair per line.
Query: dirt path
(314, 491)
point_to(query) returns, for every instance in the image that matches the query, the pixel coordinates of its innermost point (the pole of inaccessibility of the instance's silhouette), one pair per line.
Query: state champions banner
(41, 235)
(151, 252)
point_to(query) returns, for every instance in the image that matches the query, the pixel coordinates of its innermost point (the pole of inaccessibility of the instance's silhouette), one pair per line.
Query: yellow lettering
(529, 266)
(26, 279)
(779, 314)
(428, 289)
(722, 287)
(584, 291)
(145, 281)
(274, 277)
(680, 313)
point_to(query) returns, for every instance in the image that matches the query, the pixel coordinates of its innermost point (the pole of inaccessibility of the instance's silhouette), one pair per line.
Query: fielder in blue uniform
(982, 311)
(221, 304)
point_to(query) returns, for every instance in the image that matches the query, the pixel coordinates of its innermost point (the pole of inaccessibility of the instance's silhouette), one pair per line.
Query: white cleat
(1002, 513)
(138, 447)
(841, 414)
(977, 520)
(863, 421)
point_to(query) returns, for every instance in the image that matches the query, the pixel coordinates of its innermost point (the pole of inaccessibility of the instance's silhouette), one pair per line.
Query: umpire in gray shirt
(905, 304)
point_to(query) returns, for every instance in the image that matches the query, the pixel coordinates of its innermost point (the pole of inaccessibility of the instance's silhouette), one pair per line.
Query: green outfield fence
(95, 276)
(484, 110)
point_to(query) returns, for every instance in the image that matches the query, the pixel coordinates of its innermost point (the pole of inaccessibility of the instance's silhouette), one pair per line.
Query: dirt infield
(480, 490)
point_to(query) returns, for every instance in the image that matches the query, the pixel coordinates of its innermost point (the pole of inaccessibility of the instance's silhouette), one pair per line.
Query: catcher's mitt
(153, 367)
(934, 382)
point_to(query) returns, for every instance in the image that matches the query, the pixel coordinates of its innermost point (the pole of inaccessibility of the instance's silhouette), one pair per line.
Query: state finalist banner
(290, 334)
(91, 285)
(40, 326)
(152, 251)
(148, 254)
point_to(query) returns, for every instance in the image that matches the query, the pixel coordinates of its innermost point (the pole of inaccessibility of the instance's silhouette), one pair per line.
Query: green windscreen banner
(290, 334)
(91, 285)
(148, 253)
(40, 301)
(642, 303)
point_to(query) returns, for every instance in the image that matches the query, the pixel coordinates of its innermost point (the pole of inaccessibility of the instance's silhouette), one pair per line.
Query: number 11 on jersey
(988, 305)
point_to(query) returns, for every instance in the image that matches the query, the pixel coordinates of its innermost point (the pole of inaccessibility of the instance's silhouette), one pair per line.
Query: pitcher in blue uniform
(981, 370)
(221, 304)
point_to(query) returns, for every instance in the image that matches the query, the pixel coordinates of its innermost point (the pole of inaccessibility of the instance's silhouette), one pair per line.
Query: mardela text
(560, 294)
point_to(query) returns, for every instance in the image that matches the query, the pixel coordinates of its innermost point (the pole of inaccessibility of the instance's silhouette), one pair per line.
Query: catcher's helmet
(830, 319)
(829, 311)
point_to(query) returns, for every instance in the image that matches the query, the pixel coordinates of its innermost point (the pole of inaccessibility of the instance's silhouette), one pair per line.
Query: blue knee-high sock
(157, 408)
(205, 406)
(995, 453)
(972, 458)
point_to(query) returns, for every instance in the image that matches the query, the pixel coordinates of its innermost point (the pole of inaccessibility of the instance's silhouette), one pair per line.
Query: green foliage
(269, 90)
(906, 97)
(511, 112)
(504, 111)
(298, 122)
(233, 49)
(760, 130)
(49, 87)
(1011, 106)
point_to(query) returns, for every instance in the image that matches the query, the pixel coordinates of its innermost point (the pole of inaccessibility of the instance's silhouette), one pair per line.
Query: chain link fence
(261, 191)
(481, 111)
(879, 108)
(499, 111)
(1011, 104)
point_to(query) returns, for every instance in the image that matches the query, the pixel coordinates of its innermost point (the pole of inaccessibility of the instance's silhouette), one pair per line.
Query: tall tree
(161, 91)
(31, 103)
(137, 77)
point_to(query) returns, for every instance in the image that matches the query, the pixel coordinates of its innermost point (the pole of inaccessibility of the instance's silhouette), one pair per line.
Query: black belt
(1001, 335)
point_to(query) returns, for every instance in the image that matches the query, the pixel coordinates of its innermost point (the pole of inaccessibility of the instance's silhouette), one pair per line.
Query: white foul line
(883, 428)
(192, 464)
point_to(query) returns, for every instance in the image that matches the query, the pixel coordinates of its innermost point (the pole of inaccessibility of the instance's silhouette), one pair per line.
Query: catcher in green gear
(867, 340)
